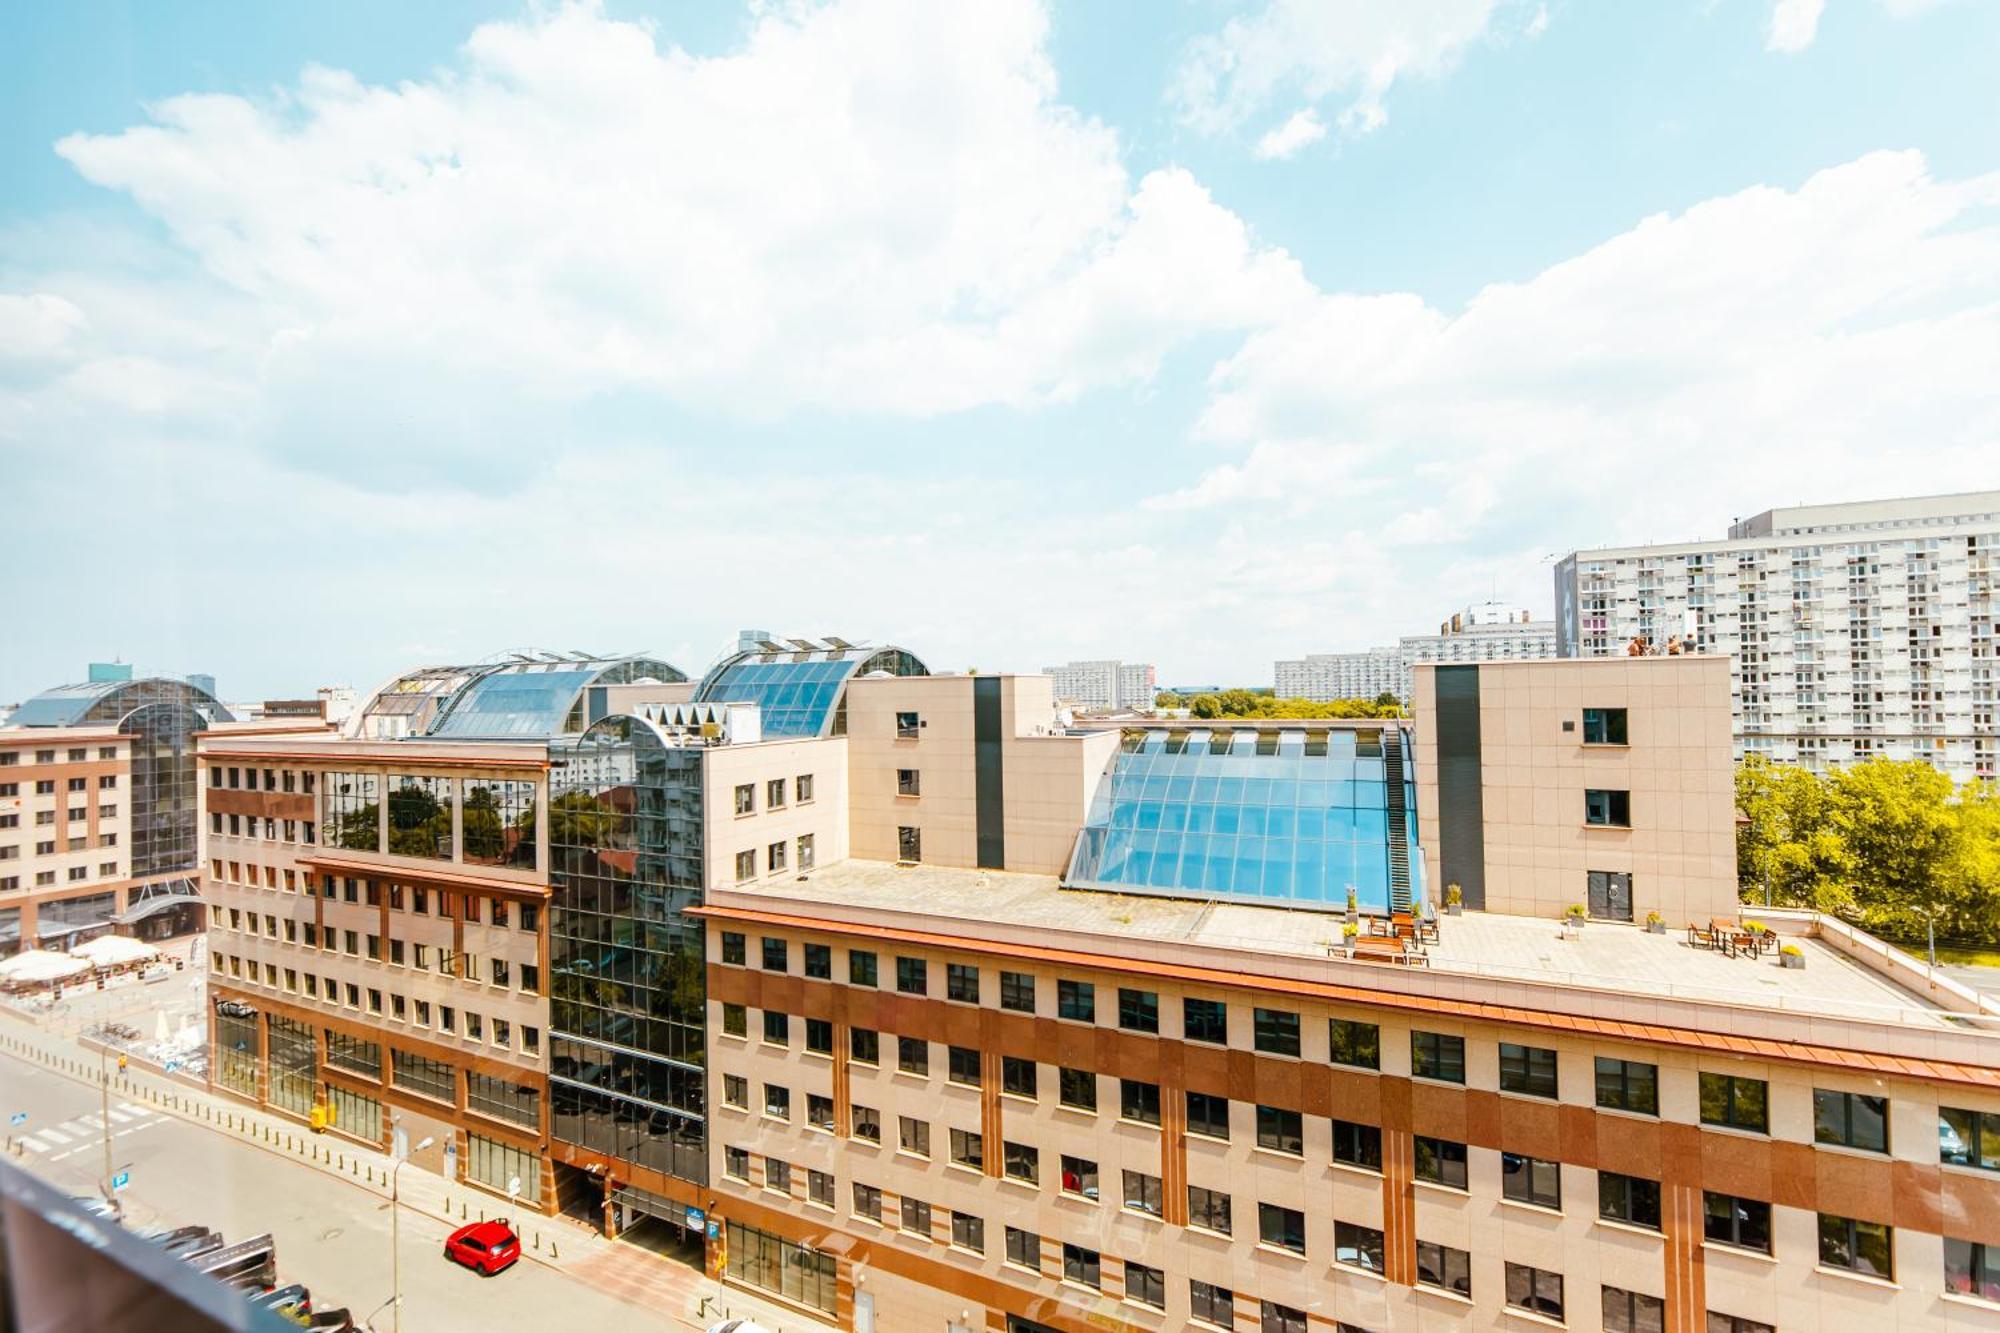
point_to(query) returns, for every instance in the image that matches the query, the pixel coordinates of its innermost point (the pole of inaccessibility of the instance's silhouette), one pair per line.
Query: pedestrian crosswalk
(80, 1133)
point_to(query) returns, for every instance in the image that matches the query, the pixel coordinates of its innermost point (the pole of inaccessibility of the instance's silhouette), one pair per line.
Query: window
(1443, 1267)
(913, 1135)
(1208, 1115)
(1282, 1227)
(746, 865)
(806, 854)
(1138, 1010)
(1971, 1269)
(1280, 1130)
(867, 1202)
(1017, 1076)
(1608, 894)
(1969, 1138)
(1728, 1220)
(1357, 1145)
(1857, 1246)
(1628, 1085)
(746, 798)
(907, 725)
(864, 1046)
(1530, 1070)
(819, 1036)
(916, 1217)
(962, 1066)
(1276, 1318)
(1440, 1161)
(1205, 1020)
(736, 1163)
(1020, 1162)
(1017, 992)
(1536, 1290)
(1633, 1312)
(425, 1077)
(819, 1188)
(1024, 1249)
(736, 1091)
(1142, 1193)
(1607, 809)
(1630, 1199)
(1739, 1103)
(1146, 1286)
(1079, 1176)
(1851, 1119)
(1209, 1210)
(1081, 1265)
(860, 968)
(866, 1122)
(913, 1056)
(909, 843)
(1353, 1043)
(819, 962)
(1076, 1000)
(777, 1102)
(774, 856)
(735, 1020)
(503, 1099)
(1275, 1031)
(774, 794)
(1729, 1323)
(1604, 726)
(1076, 1089)
(1357, 1246)
(968, 1232)
(1437, 1055)
(1531, 1180)
(1139, 1101)
(961, 983)
(968, 1148)
(912, 976)
(777, 1175)
(908, 783)
(777, 1028)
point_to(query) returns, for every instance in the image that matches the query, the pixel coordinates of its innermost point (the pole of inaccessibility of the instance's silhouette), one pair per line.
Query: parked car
(738, 1326)
(485, 1247)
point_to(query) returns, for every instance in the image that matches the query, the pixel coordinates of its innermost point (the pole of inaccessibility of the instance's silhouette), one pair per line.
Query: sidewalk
(687, 1298)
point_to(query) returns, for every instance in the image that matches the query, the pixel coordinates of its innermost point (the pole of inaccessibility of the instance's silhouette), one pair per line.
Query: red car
(485, 1247)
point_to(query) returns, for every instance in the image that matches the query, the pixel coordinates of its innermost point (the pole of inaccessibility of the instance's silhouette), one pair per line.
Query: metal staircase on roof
(1399, 820)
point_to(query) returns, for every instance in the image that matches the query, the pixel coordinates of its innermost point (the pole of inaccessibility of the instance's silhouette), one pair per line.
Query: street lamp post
(395, 1237)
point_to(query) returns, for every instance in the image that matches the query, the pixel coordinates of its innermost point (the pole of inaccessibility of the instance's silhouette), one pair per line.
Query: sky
(336, 339)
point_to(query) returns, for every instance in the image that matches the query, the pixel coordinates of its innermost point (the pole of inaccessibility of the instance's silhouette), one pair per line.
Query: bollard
(461, 1210)
(552, 1250)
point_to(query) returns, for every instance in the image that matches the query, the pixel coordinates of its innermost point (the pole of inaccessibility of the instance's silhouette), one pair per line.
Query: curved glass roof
(524, 697)
(111, 701)
(801, 692)
(1250, 815)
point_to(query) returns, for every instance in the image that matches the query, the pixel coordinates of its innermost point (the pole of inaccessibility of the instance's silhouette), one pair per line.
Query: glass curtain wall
(627, 986)
(292, 1065)
(236, 1049)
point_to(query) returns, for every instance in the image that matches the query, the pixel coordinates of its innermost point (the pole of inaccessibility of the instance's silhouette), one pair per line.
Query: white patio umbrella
(41, 965)
(115, 951)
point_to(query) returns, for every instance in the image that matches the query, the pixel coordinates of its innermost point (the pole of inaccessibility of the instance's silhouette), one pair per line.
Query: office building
(891, 996)
(1484, 632)
(1105, 685)
(1852, 629)
(98, 809)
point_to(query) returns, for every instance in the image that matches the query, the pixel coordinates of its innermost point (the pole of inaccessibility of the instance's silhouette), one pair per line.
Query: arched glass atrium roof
(529, 695)
(1261, 815)
(800, 690)
(112, 701)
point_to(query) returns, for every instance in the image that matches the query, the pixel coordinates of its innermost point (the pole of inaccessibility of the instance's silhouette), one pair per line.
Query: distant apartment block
(1105, 684)
(1852, 629)
(1484, 632)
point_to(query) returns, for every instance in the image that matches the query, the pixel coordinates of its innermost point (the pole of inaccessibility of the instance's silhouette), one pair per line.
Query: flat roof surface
(1603, 956)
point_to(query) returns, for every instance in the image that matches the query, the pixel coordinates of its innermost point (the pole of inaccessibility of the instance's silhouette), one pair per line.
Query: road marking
(55, 1136)
(119, 1117)
(87, 1147)
(33, 1144)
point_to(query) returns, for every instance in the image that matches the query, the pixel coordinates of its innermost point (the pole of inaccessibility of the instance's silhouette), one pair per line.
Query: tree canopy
(1886, 843)
(1260, 703)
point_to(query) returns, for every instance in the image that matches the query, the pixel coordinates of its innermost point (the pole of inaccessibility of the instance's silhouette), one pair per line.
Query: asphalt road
(330, 1235)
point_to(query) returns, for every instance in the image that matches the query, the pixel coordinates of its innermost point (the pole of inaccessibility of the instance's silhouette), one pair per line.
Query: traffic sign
(18, 1119)
(120, 1181)
(695, 1217)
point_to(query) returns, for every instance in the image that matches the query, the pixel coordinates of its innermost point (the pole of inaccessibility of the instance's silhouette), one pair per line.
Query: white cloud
(1794, 23)
(1303, 128)
(36, 326)
(1347, 51)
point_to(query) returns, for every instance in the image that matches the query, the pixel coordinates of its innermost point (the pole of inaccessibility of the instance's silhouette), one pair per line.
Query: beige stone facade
(1536, 765)
(64, 828)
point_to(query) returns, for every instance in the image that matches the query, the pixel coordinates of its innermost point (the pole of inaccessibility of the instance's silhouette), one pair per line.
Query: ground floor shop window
(792, 1271)
(236, 1049)
(494, 1164)
(292, 1069)
(355, 1115)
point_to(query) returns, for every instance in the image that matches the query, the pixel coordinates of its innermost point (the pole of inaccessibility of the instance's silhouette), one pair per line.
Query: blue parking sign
(120, 1181)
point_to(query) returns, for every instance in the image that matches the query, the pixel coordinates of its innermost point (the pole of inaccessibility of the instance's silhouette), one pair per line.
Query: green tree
(1787, 846)
(1205, 705)
(1902, 835)
(1166, 699)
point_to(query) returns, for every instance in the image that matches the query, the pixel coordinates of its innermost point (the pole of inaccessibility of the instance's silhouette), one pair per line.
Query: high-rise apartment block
(1852, 629)
(898, 999)
(1484, 632)
(1105, 685)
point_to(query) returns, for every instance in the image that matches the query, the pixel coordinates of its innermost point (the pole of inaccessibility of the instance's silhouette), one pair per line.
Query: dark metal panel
(991, 802)
(1461, 831)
